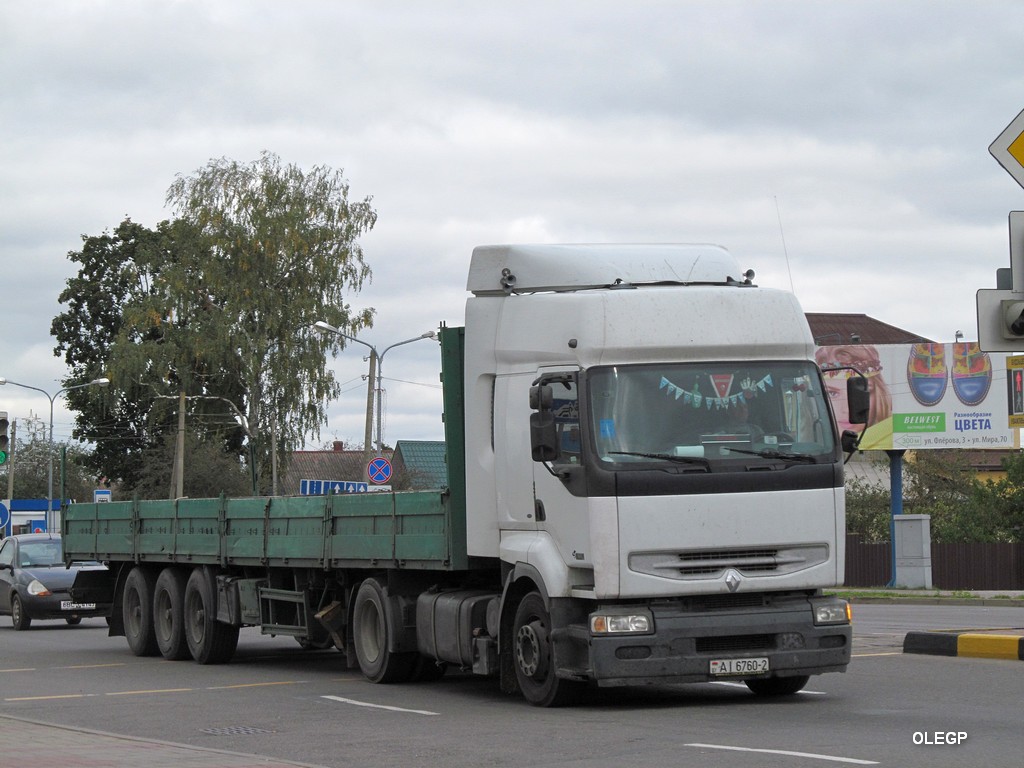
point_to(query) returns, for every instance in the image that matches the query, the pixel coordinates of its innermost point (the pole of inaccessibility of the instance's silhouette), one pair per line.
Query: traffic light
(1013, 318)
(4, 439)
(1001, 321)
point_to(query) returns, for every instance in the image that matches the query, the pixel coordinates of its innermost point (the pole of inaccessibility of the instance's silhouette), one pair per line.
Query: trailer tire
(534, 658)
(777, 686)
(371, 635)
(169, 614)
(209, 641)
(137, 611)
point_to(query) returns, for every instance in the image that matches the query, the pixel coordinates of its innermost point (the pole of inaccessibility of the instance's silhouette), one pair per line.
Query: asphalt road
(277, 700)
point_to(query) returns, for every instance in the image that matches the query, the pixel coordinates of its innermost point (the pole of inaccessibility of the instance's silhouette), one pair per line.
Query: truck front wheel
(209, 641)
(777, 686)
(534, 660)
(137, 612)
(371, 635)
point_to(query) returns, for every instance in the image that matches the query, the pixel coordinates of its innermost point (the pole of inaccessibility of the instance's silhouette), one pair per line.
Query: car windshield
(708, 414)
(39, 553)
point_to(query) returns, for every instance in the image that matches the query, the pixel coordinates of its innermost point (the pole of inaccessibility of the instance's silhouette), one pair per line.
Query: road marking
(812, 755)
(155, 690)
(867, 655)
(379, 706)
(253, 685)
(744, 687)
(93, 666)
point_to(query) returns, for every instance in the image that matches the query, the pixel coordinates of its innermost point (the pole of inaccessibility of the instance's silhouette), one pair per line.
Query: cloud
(836, 147)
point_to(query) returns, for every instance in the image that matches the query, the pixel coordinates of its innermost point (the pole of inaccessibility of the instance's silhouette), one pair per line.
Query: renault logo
(733, 579)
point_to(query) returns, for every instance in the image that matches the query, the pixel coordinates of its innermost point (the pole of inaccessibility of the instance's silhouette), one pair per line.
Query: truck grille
(735, 643)
(713, 563)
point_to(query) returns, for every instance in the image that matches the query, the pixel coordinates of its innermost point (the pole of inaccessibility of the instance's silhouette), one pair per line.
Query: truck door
(563, 515)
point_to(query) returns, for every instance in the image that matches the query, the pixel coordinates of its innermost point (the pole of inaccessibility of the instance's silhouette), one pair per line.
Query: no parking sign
(379, 470)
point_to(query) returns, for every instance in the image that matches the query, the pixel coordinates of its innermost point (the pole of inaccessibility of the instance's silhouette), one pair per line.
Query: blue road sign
(379, 470)
(325, 487)
(5, 516)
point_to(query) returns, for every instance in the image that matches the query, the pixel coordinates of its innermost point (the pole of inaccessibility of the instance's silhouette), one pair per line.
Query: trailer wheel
(209, 641)
(169, 614)
(777, 686)
(137, 611)
(534, 660)
(371, 635)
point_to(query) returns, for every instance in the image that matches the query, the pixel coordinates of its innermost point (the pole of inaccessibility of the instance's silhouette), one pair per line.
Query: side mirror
(858, 399)
(541, 397)
(543, 436)
(849, 441)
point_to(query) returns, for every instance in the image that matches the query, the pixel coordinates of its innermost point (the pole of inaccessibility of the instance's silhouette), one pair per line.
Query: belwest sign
(926, 395)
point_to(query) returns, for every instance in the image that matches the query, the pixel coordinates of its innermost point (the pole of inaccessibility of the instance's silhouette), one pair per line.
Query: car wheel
(73, 621)
(19, 618)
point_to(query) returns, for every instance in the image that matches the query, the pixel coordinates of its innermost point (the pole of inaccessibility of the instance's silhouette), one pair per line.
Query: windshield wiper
(773, 454)
(700, 460)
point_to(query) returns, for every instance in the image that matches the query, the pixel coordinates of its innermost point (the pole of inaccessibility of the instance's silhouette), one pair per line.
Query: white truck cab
(649, 449)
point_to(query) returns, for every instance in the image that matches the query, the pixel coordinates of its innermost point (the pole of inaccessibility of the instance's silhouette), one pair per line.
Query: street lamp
(376, 359)
(100, 382)
(380, 378)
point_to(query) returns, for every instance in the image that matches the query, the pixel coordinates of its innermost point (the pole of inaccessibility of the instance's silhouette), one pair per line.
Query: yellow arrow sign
(1008, 149)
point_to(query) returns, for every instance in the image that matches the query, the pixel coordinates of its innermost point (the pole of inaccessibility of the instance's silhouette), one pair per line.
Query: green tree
(116, 270)
(216, 305)
(279, 252)
(209, 470)
(30, 464)
(1003, 500)
(943, 485)
(868, 509)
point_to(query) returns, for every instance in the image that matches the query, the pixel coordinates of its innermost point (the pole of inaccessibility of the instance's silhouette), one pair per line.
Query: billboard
(924, 396)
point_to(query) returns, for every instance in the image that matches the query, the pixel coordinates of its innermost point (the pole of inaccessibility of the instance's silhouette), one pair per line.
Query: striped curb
(973, 644)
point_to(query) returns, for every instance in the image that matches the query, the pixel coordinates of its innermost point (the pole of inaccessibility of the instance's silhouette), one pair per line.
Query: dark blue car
(34, 581)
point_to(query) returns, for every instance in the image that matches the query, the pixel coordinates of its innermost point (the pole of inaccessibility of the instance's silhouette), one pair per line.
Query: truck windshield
(710, 416)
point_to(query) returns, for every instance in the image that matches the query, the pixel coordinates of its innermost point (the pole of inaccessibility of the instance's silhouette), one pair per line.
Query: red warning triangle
(722, 382)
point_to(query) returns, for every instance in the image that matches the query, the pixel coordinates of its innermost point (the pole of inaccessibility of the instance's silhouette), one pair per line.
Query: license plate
(755, 666)
(67, 605)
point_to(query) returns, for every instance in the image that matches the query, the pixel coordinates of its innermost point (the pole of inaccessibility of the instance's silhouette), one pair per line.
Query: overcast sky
(837, 148)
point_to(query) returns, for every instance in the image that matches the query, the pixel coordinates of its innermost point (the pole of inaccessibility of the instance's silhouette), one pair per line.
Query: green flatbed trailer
(292, 565)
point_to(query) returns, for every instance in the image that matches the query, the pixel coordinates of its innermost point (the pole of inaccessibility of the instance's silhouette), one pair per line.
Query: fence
(989, 566)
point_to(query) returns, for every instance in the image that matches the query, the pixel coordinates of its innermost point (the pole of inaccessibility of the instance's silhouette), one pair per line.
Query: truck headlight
(621, 623)
(832, 612)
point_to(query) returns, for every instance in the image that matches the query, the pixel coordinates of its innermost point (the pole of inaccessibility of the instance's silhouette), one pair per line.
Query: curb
(973, 644)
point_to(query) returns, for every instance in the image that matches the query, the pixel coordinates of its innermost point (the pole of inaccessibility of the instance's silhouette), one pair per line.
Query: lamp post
(373, 388)
(100, 382)
(380, 378)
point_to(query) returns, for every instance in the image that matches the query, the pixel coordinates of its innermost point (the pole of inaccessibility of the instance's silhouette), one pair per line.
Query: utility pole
(273, 455)
(10, 459)
(371, 390)
(178, 475)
